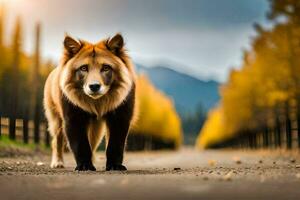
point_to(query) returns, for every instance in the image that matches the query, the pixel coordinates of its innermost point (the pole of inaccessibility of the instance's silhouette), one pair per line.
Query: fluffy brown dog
(92, 91)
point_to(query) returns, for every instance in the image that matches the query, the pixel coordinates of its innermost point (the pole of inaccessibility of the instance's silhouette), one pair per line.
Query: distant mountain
(187, 92)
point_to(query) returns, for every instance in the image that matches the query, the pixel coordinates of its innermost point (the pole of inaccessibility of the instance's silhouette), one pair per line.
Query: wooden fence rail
(24, 130)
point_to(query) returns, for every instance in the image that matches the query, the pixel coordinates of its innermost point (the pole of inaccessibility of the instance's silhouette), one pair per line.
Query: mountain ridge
(187, 91)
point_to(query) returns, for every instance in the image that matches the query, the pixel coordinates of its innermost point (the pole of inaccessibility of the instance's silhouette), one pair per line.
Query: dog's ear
(71, 45)
(115, 44)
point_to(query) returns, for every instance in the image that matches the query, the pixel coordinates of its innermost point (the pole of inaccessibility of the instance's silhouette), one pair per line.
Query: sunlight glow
(8, 1)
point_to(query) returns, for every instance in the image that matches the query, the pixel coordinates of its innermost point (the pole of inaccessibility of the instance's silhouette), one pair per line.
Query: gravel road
(184, 174)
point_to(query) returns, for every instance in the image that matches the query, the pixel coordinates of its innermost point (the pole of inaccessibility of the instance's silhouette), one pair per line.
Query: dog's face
(96, 78)
(93, 69)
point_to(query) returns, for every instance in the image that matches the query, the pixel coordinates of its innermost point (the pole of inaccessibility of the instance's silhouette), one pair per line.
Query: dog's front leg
(118, 123)
(75, 126)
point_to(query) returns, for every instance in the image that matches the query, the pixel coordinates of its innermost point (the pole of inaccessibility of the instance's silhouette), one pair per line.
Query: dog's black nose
(94, 87)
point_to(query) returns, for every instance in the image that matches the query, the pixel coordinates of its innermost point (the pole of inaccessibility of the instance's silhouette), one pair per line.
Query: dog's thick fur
(81, 117)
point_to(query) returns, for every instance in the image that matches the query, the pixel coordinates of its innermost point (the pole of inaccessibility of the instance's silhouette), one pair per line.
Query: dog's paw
(57, 164)
(85, 167)
(115, 167)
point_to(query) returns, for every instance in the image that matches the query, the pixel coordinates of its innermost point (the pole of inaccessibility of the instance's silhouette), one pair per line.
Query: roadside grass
(11, 148)
(6, 142)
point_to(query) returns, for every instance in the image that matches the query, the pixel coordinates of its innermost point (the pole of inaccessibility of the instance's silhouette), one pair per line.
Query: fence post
(298, 126)
(242, 144)
(25, 130)
(288, 133)
(254, 139)
(272, 137)
(249, 138)
(288, 127)
(12, 128)
(260, 140)
(247, 141)
(265, 138)
(0, 127)
(298, 119)
(278, 132)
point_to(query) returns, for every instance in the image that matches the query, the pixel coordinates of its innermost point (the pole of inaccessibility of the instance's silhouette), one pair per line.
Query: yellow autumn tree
(213, 130)
(157, 115)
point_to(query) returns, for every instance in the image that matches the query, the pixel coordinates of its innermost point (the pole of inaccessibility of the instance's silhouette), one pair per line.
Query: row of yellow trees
(157, 115)
(19, 72)
(266, 90)
(22, 78)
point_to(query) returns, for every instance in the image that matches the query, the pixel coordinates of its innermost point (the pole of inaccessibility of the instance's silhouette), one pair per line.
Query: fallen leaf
(212, 162)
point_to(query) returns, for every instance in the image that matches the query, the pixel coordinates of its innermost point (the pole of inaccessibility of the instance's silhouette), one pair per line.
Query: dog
(91, 93)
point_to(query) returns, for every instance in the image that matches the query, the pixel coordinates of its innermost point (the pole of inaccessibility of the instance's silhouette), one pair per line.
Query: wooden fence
(24, 130)
(283, 132)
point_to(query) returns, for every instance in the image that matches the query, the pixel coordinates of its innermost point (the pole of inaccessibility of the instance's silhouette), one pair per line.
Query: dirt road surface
(185, 174)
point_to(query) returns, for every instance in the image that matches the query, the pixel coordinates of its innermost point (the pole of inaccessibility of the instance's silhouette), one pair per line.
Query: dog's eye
(106, 68)
(84, 68)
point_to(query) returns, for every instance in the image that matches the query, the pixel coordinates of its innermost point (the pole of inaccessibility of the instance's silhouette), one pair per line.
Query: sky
(203, 38)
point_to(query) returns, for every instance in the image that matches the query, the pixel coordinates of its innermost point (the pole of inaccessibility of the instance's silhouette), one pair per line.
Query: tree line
(261, 100)
(21, 77)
